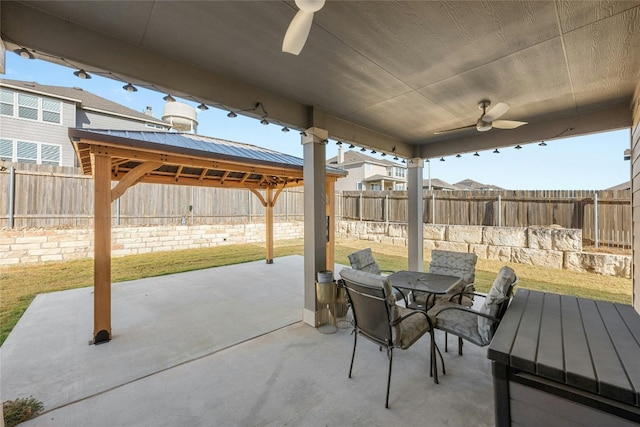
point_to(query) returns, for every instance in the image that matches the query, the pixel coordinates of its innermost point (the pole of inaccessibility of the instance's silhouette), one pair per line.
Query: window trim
(39, 145)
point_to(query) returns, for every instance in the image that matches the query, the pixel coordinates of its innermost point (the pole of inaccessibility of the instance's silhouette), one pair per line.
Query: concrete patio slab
(226, 347)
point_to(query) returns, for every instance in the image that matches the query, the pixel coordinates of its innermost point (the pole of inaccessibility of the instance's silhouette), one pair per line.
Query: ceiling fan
(488, 119)
(298, 31)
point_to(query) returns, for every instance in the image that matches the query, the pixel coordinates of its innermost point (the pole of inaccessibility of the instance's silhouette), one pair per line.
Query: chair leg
(446, 342)
(386, 404)
(353, 355)
(459, 346)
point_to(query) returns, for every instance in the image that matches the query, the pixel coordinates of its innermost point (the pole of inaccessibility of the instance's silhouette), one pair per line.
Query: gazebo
(130, 157)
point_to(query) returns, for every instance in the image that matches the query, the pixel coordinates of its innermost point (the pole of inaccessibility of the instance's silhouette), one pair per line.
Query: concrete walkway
(225, 347)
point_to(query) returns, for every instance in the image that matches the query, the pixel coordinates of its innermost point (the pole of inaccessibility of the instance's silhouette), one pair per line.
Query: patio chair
(478, 326)
(450, 263)
(378, 318)
(363, 260)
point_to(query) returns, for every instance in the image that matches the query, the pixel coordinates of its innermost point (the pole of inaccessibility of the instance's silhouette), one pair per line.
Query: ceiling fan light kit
(489, 119)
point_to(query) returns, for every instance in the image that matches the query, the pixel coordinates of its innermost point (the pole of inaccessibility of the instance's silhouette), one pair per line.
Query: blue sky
(592, 162)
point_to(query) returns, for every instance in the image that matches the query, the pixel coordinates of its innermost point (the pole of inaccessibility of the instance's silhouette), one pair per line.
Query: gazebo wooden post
(331, 224)
(269, 223)
(102, 249)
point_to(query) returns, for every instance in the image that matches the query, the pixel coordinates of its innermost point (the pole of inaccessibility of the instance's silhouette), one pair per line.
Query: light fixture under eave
(264, 122)
(496, 151)
(202, 107)
(285, 129)
(130, 88)
(169, 98)
(442, 159)
(352, 146)
(458, 156)
(517, 147)
(477, 154)
(542, 144)
(404, 161)
(395, 158)
(24, 53)
(374, 152)
(383, 154)
(363, 149)
(339, 143)
(82, 74)
(231, 114)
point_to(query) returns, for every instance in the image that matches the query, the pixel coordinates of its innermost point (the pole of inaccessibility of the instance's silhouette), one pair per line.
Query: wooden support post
(331, 225)
(269, 223)
(102, 249)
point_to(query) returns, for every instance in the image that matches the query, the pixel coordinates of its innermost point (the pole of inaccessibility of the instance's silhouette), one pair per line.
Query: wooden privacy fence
(34, 196)
(53, 196)
(604, 216)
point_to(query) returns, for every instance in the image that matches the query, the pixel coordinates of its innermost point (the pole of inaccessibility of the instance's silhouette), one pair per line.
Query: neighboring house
(438, 184)
(34, 120)
(469, 184)
(368, 173)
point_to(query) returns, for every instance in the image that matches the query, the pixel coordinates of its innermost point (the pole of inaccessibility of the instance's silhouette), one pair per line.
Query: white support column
(415, 168)
(315, 220)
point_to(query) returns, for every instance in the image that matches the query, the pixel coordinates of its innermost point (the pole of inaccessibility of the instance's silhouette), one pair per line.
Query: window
(50, 111)
(399, 187)
(367, 167)
(6, 149)
(376, 187)
(27, 152)
(6, 102)
(50, 154)
(30, 152)
(398, 172)
(359, 186)
(30, 107)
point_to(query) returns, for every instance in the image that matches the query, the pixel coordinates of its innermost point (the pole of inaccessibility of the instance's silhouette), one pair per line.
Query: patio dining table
(418, 281)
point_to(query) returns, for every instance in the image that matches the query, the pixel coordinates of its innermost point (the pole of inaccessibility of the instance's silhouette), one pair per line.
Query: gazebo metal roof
(188, 159)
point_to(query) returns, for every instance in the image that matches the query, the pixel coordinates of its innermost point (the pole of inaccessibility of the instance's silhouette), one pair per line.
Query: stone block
(452, 246)
(464, 233)
(605, 264)
(434, 231)
(505, 236)
(500, 253)
(538, 257)
(397, 230)
(480, 250)
(428, 245)
(552, 238)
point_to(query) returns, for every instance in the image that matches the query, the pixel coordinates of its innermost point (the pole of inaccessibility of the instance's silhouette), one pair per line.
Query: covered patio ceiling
(381, 74)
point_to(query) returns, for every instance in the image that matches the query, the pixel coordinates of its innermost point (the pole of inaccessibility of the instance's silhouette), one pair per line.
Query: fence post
(12, 197)
(360, 210)
(386, 207)
(596, 237)
(249, 205)
(433, 208)
(118, 211)
(499, 210)
(286, 205)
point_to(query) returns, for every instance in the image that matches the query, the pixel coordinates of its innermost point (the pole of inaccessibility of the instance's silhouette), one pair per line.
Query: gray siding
(94, 120)
(34, 131)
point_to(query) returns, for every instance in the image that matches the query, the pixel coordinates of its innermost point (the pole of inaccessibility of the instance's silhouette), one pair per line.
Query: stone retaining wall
(551, 247)
(41, 245)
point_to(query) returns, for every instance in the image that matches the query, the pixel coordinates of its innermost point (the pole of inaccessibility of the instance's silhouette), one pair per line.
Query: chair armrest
(468, 310)
(413, 313)
(387, 271)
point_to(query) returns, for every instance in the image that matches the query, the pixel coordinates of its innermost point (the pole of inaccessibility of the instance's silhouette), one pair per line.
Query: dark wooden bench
(560, 360)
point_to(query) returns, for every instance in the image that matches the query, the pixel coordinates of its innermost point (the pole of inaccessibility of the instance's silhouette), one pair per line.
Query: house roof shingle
(85, 99)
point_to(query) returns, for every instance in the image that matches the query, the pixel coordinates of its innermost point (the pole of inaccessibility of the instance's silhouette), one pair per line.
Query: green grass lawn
(20, 284)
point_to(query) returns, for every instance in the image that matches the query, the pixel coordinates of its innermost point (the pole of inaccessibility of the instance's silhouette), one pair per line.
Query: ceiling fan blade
(496, 112)
(297, 33)
(440, 132)
(507, 124)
